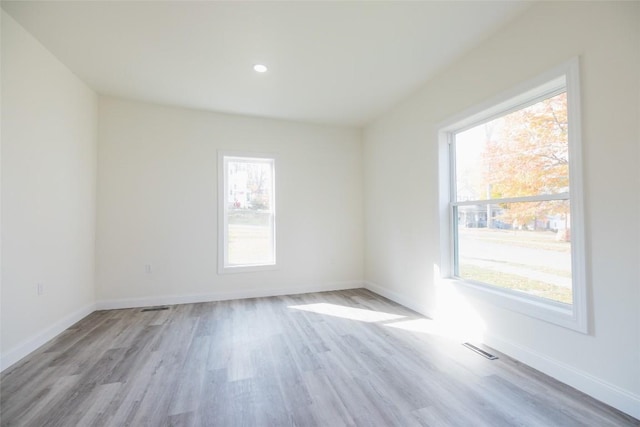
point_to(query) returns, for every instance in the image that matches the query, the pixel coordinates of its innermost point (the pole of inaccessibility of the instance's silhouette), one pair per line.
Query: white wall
(401, 189)
(157, 186)
(49, 128)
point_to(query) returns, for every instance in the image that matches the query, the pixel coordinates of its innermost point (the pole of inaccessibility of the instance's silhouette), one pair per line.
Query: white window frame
(573, 316)
(223, 237)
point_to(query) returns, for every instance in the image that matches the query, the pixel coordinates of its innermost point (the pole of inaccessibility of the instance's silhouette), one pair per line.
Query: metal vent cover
(164, 307)
(480, 351)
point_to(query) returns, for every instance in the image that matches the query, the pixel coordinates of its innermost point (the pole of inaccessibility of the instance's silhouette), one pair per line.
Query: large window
(514, 215)
(247, 212)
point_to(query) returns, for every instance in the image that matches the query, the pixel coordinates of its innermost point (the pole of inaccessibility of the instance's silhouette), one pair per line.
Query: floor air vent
(155, 308)
(480, 351)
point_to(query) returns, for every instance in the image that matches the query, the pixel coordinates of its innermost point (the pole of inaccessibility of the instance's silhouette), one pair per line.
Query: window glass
(511, 201)
(535, 258)
(523, 153)
(249, 211)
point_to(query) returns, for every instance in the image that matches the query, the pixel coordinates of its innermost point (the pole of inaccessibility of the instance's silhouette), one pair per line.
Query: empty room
(320, 213)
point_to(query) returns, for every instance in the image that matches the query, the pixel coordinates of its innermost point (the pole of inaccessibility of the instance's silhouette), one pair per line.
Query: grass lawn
(515, 282)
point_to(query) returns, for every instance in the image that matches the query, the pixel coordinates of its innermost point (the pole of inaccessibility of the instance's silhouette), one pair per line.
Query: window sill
(247, 269)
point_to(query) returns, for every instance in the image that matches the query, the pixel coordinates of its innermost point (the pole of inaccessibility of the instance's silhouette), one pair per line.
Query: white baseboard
(223, 296)
(28, 346)
(603, 391)
(610, 394)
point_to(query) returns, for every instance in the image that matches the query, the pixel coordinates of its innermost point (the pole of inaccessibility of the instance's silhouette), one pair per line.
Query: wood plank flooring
(322, 359)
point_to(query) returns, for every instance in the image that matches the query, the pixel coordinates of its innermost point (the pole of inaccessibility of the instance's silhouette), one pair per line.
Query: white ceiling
(329, 62)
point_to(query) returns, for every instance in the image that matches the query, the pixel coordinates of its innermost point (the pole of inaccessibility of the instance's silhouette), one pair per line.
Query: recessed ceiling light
(260, 68)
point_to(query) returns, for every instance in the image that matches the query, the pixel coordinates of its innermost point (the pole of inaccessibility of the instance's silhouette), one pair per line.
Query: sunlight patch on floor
(454, 331)
(347, 312)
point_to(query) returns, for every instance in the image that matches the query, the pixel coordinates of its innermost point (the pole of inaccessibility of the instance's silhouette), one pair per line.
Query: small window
(514, 201)
(247, 212)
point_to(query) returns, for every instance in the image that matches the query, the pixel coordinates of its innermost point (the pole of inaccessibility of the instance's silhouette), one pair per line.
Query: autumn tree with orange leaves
(527, 154)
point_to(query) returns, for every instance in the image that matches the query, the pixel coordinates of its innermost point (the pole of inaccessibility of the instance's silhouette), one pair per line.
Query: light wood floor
(275, 362)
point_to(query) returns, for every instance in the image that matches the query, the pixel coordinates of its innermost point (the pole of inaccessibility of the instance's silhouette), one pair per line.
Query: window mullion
(539, 198)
